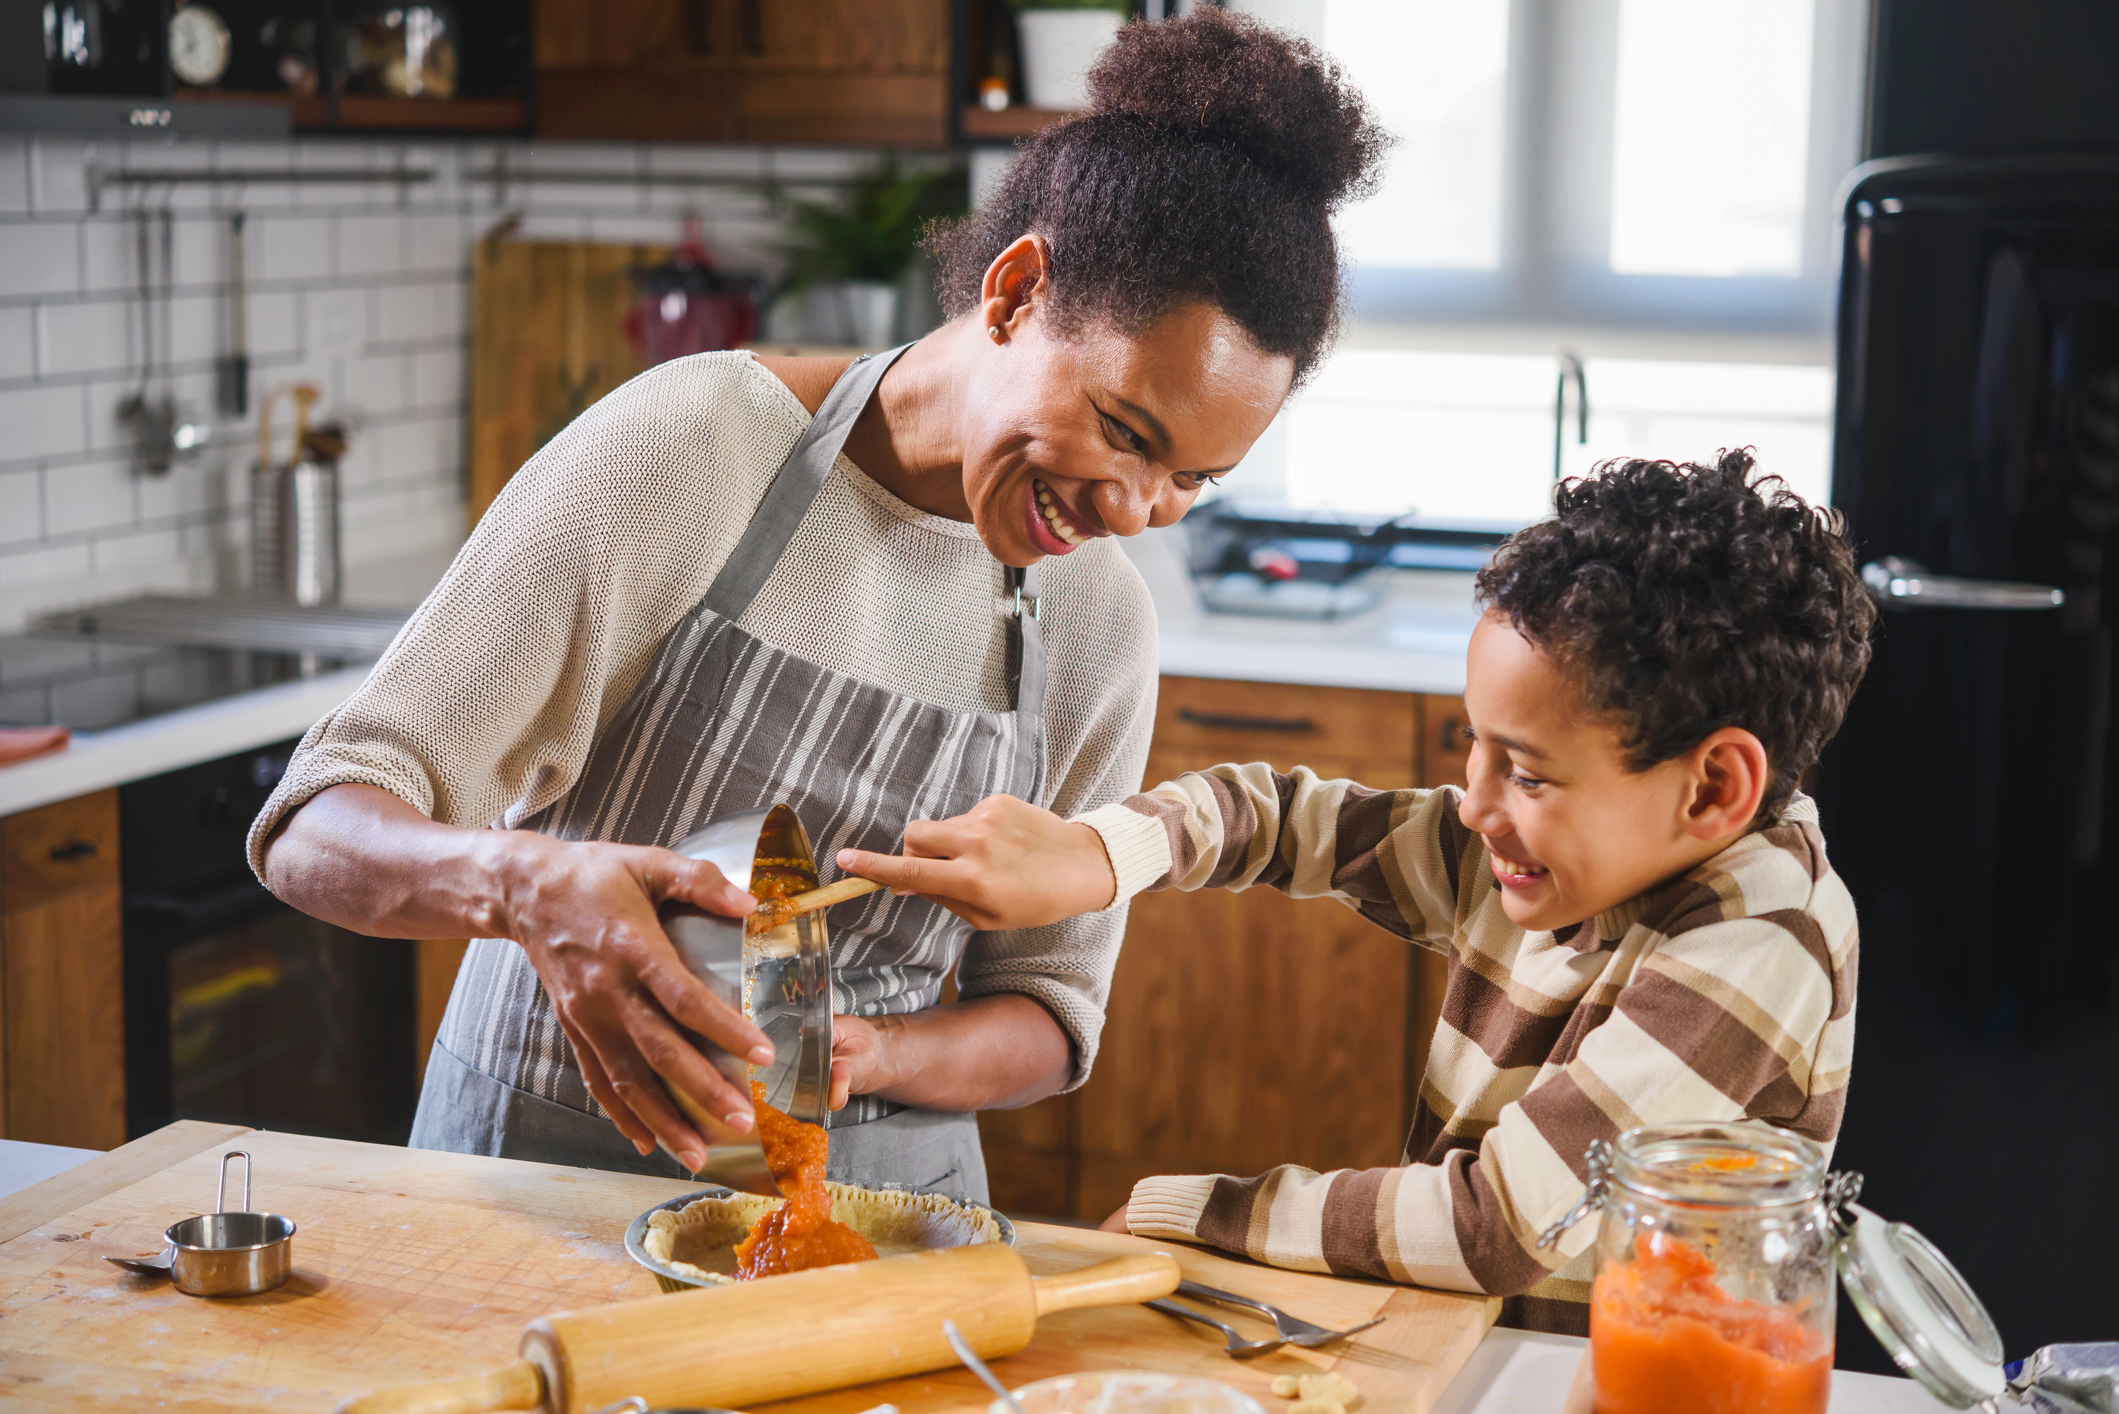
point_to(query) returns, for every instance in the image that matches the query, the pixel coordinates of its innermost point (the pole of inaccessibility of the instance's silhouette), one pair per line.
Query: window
(1467, 439)
(1647, 177)
(1662, 164)
(1436, 72)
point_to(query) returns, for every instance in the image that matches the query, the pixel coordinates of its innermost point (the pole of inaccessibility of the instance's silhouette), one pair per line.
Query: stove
(104, 666)
(91, 686)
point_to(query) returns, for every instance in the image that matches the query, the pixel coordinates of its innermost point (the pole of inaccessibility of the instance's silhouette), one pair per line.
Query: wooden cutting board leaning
(414, 1267)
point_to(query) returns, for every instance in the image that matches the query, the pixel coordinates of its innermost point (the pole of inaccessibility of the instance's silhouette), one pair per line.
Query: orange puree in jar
(1664, 1337)
(800, 1233)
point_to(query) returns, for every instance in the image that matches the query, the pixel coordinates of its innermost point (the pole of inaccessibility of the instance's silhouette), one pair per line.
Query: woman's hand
(586, 915)
(1003, 864)
(1117, 1221)
(987, 1053)
(856, 1058)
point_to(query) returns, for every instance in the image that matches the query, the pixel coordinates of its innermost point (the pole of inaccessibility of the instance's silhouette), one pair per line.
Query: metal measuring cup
(223, 1253)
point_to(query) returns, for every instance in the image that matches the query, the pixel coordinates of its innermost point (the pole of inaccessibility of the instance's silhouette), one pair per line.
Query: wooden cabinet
(62, 975)
(1246, 1030)
(868, 72)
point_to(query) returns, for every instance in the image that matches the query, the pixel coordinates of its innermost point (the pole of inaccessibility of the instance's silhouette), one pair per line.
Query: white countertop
(1413, 641)
(1524, 1372)
(96, 760)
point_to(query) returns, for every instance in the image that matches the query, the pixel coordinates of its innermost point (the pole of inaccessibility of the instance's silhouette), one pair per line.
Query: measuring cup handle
(220, 1196)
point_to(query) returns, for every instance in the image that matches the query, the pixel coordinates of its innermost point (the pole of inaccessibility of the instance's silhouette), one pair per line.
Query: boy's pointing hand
(1002, 864)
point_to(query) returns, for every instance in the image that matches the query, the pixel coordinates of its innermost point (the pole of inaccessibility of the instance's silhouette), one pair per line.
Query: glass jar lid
(1919, 1307)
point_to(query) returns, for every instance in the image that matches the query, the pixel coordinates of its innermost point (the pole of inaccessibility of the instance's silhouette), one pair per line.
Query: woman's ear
(1012, 284)
(1730, 774)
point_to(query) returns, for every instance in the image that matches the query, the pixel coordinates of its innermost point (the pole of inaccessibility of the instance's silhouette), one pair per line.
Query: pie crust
(699, 1240)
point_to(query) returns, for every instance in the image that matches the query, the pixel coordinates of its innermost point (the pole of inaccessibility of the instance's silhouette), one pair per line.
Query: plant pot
(1058, 48)
(869, 312)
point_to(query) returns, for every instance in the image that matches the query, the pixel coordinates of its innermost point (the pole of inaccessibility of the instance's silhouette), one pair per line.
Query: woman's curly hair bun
(1225, 78)
(1207, 168)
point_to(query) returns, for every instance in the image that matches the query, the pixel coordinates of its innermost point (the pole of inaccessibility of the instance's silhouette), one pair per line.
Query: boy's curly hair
(1690, 598)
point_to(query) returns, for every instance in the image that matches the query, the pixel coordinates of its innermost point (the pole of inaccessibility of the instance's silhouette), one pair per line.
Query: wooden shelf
(372, 113)
(369, 113)
(984, 124)
(303, 111)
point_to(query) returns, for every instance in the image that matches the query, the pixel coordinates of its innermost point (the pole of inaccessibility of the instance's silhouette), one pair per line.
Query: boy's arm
(1739, 1019)
(1394, 856)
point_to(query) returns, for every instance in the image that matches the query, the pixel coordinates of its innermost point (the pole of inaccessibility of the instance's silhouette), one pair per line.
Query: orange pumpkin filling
(1664, 1336)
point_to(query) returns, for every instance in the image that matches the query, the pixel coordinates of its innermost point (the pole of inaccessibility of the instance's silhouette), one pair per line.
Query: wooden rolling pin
(754, 1342)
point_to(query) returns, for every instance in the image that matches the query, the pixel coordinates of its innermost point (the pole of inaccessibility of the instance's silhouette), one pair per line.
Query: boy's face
(1570, 830)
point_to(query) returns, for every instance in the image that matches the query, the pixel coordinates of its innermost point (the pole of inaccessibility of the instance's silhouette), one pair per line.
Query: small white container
(1058, 48)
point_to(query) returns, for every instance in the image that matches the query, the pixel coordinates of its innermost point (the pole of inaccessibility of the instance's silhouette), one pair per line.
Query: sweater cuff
(1168, 1207)
(1138, 846)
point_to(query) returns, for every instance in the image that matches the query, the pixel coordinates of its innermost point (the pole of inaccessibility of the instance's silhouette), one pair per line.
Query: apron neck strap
(795, 486)
(1028, 659)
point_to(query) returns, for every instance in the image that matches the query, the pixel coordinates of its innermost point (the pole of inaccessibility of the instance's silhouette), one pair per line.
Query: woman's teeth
(1054, 517)
(1510, 867)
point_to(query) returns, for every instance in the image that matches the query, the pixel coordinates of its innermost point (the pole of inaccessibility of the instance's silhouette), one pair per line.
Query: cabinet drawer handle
(754, 28)
(697, 37)
(1234, 722)
(72, 850)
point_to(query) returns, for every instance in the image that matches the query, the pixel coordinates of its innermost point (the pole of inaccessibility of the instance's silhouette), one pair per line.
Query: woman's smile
(1053, 527)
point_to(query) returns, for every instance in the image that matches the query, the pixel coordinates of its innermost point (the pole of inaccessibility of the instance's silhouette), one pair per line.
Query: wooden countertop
(412, 1266)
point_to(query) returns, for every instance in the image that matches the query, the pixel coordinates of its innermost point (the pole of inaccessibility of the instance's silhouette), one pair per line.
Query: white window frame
(1554, 271)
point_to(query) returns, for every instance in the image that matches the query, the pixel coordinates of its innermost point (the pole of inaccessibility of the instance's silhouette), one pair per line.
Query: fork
(1239, 1347)
(1296, 1332)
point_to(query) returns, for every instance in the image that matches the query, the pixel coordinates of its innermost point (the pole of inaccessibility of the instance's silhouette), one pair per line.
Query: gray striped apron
(723, 722)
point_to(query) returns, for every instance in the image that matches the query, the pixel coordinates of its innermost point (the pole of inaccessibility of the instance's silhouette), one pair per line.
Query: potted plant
(855, 252)
(1059, 40)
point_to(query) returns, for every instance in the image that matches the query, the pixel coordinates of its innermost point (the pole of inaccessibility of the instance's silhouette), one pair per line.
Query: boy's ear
(1729, 779)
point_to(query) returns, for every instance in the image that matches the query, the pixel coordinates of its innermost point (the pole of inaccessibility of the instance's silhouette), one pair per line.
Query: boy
(1641, 923)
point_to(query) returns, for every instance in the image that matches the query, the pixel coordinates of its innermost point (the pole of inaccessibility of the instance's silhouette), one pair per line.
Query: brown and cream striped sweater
(1724, 994)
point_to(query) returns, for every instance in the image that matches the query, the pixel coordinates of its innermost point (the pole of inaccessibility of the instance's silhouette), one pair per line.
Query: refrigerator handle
(1906, 584)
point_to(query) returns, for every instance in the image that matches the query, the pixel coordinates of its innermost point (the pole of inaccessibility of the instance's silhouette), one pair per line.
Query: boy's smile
(1571, 830)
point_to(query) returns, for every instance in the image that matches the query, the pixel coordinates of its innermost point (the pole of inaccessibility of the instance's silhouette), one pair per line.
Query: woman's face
(1071, 436)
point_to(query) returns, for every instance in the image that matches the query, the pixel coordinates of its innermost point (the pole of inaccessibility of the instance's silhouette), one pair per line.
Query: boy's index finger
(902, 873)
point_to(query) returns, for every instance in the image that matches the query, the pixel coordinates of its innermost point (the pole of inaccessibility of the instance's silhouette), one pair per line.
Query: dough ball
(1330, 1387)
(1286, 1386)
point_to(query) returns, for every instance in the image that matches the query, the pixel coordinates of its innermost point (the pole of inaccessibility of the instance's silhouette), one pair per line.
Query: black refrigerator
(1971, 800)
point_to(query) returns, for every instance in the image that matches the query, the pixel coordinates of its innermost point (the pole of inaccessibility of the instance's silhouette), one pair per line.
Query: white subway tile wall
(363, 288)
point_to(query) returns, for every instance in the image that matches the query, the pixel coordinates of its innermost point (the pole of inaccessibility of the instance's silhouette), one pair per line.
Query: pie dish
(691, 1240)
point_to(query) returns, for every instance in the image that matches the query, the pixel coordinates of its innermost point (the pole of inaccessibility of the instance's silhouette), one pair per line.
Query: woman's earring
(994, 332)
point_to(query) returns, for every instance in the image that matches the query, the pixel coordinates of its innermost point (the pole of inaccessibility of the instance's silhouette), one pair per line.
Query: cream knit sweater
(484, 709)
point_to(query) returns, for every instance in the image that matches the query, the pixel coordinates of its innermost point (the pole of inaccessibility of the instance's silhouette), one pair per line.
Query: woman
(691, 603)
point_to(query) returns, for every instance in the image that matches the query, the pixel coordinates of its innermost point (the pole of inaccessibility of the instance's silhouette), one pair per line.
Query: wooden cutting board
(547, 339)
(412, 1266)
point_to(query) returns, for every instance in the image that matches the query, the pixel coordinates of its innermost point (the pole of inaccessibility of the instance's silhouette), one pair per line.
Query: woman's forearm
(989, 1053)
(369, 862)
(584, 912)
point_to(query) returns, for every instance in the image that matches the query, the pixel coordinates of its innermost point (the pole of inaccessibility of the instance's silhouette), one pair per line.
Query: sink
(233, 621)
